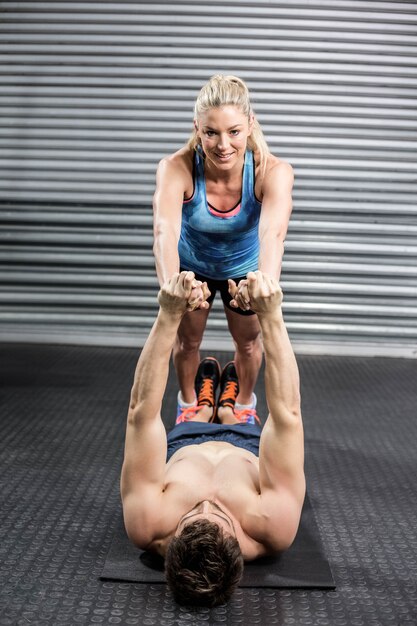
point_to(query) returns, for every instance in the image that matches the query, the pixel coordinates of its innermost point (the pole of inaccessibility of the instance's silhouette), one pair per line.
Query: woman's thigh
(243, 328)
(191, 328)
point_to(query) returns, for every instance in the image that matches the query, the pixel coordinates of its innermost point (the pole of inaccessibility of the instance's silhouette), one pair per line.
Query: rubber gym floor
(63, 411)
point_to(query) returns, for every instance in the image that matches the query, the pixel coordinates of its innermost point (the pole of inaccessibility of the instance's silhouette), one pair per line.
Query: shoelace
(245, 414)
(188, 413)
(230, 391)
(206, 395)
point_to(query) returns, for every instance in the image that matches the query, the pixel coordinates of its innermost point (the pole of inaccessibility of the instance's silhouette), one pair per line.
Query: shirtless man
(214, 504)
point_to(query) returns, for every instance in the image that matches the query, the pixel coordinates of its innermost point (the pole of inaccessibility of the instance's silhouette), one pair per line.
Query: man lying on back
(219, 490)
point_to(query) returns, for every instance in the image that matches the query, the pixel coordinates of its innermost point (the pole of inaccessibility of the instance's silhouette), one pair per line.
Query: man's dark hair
(203, 565)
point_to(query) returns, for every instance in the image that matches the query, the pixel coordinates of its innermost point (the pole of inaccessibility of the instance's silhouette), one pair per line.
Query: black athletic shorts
(223, 287)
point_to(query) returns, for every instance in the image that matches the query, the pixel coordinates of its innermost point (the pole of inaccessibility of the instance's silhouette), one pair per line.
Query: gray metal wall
(93, 94)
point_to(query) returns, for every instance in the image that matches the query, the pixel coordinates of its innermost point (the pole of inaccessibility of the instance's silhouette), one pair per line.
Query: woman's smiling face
(224, 133)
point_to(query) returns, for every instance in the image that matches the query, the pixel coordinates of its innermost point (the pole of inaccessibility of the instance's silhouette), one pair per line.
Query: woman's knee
(249, 346)
(187, 344)
(246, 332)
(190, 332)
(189, 336)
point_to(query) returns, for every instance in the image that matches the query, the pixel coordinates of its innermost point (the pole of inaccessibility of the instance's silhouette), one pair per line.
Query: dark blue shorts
(245, 436)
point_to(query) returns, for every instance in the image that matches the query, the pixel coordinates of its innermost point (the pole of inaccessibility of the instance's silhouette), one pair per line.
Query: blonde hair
(230, 90)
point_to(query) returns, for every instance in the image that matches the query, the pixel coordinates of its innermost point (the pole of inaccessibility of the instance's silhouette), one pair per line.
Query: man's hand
(265, 294)
(174, 294)
(239, 293)
(199, 294)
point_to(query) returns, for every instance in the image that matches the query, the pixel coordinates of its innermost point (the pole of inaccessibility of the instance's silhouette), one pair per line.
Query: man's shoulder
(275, 522)
(140, 513)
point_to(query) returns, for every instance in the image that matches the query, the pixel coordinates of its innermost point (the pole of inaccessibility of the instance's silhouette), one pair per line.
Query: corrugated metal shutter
(93, 94)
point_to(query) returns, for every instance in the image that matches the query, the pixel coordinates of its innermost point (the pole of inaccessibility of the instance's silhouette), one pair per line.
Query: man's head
(204, 563)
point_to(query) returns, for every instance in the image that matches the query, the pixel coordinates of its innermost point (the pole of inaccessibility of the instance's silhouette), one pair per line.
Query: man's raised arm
(145, 448)
(281, 454)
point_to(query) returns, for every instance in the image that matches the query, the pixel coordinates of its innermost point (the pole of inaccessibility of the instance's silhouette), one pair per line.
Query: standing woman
(221, 209)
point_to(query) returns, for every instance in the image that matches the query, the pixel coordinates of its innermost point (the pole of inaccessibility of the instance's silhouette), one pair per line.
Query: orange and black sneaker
(206, 382)
(229, 386)
(229, 390)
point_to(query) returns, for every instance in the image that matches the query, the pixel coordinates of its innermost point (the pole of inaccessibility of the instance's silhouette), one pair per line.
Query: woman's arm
(275, 216)
(273, 224)
(172, 180)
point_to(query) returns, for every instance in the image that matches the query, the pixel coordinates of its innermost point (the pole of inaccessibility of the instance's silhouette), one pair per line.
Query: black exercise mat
(302, 566)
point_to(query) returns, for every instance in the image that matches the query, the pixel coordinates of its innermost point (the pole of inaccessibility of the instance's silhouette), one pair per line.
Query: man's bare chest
(217, 472)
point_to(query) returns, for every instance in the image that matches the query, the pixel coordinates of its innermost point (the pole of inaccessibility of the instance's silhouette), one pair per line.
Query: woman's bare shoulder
(176, 170)
(274, 168)
(181, 160)
(271, 162)
(274, 162)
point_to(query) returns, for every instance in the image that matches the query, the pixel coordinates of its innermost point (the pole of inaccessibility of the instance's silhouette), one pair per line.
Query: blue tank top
(220, 244)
